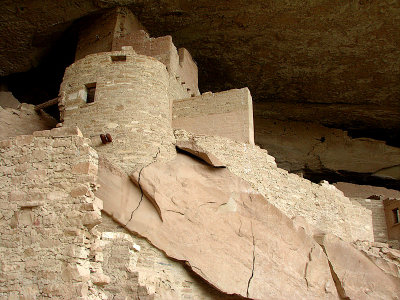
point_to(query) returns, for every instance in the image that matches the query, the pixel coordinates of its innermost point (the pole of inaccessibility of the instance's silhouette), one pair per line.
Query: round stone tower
(125, 95)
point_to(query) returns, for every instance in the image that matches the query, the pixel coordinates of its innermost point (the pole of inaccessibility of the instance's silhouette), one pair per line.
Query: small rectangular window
(117, 58)
(91, 91)
(396, 215)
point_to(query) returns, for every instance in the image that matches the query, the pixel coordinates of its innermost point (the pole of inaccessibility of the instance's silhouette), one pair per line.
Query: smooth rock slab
(226, 232)
(357, 277)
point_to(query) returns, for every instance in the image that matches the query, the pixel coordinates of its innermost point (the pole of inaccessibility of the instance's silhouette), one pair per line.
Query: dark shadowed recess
(42, 83)
(391, 137)
(352, 177)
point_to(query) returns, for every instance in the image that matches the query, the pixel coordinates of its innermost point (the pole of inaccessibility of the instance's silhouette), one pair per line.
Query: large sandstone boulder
(356, 276)
(225, 231)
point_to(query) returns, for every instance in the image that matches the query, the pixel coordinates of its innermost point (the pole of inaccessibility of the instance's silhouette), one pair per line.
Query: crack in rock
(140, 187)
(307, 264)
(177, 212)
(335, 277)
(254, 260)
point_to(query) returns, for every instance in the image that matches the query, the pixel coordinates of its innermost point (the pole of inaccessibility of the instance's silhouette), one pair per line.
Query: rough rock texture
(364, 191)
(23, 120)
(53, 246)
(322, 205)
(8, 100)
(356, 276)
(48, 210)
(387, 259)
(371, 121)
(225, 231)
(297, 146)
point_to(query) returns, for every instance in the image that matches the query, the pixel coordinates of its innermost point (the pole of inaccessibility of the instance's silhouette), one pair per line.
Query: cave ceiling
(334, 62)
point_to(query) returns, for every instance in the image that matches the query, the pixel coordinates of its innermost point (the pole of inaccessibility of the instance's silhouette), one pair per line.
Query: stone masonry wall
(131, 103)
(378, 217)
(48, 212)
(322, 205)
(393, 228)
(119, 27)
(129, 32)
(228, 114)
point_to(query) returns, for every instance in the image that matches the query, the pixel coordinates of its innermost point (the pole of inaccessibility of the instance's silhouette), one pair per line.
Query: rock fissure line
(305, 269)
(240, 227)
(174, 211)
(209, 202)
(140, 187)
(386, 168)
(335, 277)
(254, 261)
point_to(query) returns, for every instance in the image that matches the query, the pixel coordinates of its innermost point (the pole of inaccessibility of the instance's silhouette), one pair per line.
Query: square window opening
(396, 215)
(117, 58)
(90, 92)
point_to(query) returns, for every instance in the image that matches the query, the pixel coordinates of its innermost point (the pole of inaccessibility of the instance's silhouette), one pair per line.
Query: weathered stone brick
(84, 168)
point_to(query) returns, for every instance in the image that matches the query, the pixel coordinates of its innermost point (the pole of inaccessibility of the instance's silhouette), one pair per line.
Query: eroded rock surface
(8, 100)
(297, 146)
(364, 191)
(387, 259)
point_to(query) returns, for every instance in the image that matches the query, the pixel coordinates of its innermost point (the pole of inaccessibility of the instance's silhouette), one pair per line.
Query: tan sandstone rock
(192, 147)
(356, 276)
(225, 231)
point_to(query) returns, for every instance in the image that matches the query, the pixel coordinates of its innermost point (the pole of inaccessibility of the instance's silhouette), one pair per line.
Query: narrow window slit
(90, 92)
(117, 58)
(396, 215)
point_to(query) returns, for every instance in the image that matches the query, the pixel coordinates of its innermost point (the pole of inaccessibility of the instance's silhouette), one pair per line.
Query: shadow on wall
(42, 82)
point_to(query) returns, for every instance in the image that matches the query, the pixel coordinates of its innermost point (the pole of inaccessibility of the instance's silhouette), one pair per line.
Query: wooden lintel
(47, 104)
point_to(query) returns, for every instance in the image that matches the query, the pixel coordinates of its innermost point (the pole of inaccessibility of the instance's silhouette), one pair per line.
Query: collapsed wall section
(228, 114)
(130, 102)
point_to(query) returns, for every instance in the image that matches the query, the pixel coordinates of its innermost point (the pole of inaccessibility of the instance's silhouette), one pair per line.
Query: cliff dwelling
(199, 150)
